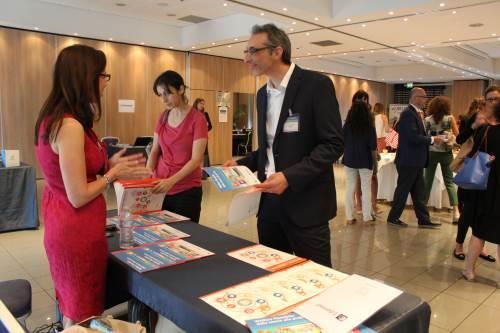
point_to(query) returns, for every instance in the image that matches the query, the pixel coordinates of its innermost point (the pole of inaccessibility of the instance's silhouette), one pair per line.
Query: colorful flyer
(266, 258)
(159, 255)
(231, 178)
(149, 219)
(137, 221)
(274, 294)
(156, 233)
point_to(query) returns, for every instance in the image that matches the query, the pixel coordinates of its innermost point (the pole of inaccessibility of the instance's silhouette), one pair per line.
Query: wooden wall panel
(462, 94)
(206, 72)
(161, 61)
(237, 77)
(128, 67)
(25, 82)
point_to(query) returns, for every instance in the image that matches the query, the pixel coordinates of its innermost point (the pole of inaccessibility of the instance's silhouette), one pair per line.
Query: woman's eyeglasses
(106, 77)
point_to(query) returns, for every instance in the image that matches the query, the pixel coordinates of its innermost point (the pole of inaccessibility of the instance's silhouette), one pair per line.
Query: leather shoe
(429, 225)
(397, 223)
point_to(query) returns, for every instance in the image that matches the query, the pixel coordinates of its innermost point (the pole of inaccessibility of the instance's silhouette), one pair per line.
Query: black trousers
(466, 214)
(187, 203)
(410, 181)
(276, 230)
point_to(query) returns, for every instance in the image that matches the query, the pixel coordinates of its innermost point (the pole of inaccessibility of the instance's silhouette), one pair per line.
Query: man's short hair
(414, 91)
(276, 37)
(490, 89)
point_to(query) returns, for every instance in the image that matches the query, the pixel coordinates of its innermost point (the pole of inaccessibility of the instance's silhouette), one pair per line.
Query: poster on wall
(222, 114)
(126, 105)
(395, 110)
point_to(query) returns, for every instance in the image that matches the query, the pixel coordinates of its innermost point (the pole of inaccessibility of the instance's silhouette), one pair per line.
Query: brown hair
(378, 108)
(477, 103)
(438, 107)
(196, 101)
(490, 89)
(75, 87)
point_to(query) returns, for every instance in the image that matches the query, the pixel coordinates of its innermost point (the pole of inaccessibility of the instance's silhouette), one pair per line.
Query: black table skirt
(18, 207)
(174, 291)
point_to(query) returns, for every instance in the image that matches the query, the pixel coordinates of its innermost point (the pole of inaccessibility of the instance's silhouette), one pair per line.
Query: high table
(18, 208)
(174, 292)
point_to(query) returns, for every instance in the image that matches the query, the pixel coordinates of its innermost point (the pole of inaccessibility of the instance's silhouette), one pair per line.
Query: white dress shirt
(275, 97)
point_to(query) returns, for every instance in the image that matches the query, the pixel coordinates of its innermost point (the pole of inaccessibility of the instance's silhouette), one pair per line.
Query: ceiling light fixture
(493, 34)
(285, 9)
(142, 43)
(441, 4)
(229, 46)
(225, 4)
(262, 14)
(291, 29)
(36, 28)
(193, 47)
(405, 19)
(450, 39)
(363, 25)
(171, 47)
(294, 22)
(348, 20)
(213, 43)
(307, 34)
(76, 34)
(110, 38)
(391, 13)
(345, 53)
(316, 19)
(454, 12)
(208, 50)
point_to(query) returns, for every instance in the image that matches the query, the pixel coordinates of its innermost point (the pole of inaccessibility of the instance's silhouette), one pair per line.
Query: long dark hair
(167, 80)
(75, 87)
(359, 118)
(196, 101)
(361, 95)
(439, 107)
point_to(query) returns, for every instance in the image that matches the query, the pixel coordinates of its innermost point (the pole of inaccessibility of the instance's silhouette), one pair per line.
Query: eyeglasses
(421, 96)
(107, 77)
(493, 100)
(252, 50)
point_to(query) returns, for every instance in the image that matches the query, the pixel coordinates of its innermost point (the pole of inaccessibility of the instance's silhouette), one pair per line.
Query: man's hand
(229, 163)
(275, 184)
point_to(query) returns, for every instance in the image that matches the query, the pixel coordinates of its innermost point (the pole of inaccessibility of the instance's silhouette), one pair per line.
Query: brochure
(137, 195)
(231, 178)
(266, 258)
(156, 233)
(149, 219)
(347, 304)
(243, 206)
(159, 255)
(291, 323)
(273, 294)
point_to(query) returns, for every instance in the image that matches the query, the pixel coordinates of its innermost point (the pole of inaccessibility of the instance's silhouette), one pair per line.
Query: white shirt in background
(275, 97)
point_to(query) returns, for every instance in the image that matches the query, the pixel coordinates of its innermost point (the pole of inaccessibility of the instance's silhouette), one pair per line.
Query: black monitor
(143, 140)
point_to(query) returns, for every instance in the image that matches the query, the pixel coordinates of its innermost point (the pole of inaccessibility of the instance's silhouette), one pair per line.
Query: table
(387, 181)
(18, 204)
(174, 291)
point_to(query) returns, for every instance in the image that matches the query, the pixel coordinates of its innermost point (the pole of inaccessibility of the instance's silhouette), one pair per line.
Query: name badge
(292, 123)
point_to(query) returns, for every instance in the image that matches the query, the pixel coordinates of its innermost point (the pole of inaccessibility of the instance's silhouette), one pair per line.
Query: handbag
(476, 169)
(465, 150)
(392, 139)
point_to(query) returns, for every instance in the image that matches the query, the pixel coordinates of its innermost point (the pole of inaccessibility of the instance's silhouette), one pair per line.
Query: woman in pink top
(179, 143)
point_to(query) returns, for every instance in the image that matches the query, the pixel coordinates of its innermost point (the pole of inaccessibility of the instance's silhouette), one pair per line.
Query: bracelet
(107, 179)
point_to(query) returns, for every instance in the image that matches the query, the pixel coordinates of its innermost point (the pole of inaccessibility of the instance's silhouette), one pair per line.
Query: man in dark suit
(300, 137)
(412, 156)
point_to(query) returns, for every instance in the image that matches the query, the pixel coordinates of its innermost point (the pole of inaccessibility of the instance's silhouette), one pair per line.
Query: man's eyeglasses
(106, 77)
(493, 100)
(421, 96)
(252, 50)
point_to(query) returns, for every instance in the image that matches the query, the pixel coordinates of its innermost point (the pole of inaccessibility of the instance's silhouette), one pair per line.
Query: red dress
(74, 238)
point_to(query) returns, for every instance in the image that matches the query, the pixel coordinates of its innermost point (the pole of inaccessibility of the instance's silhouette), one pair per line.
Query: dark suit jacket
(413, 146)
(306, 156)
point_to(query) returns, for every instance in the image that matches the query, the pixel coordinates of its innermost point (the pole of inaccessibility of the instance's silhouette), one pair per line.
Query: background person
(199, 104)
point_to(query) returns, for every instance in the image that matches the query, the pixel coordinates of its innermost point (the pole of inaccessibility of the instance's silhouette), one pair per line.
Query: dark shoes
(487, 257)
(429, 225)
(459, 256)
(397, 223)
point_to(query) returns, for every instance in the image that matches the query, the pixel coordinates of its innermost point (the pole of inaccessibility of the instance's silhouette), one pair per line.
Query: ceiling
(382, 40)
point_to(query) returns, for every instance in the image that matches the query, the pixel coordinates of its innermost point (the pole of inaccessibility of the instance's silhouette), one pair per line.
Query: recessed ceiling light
(142, 43)
(209, 50)
(450, 39)
(193, 47)
(348, 20)
(413, 43)
(405, 19)
(261, 14)
(361, 48)
(308, 53)
(395, 52)
(170, 47)
(391, 13)
(225, 4)
(319, 56)
(110, 38)
(307, 34)
(76, 34)
(454, 12)
(294, 22)
(316, 19)
(372, 51)
(498, 38)
(291, 29)
(213, 43)
(493, 34)
(400, 79)
(236, 39)
(363, 25)
(36, 28)
(458, 43)
(285, 9)
(441, 4)
(120, 4)
(229, 46)
(345, 53)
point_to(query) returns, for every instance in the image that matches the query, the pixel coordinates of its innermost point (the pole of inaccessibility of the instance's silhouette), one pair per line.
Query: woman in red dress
(71, 156)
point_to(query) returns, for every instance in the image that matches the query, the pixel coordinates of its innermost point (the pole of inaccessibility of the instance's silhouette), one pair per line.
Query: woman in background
(381, 125)
(71, 157)
(441, 122)
(360, 157)
(180, 139)
(199, 104)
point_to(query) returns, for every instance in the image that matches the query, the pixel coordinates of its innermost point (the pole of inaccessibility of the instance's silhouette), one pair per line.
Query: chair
(245, 145)
(110, 140)
(16, 295)
(143, 140)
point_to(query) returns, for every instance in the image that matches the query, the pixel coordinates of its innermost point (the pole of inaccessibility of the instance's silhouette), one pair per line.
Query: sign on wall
(126, 105)
(395, 111)
(222, 114)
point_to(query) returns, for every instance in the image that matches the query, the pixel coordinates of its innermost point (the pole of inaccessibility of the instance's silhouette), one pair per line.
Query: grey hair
(414, 91)
(276, 37)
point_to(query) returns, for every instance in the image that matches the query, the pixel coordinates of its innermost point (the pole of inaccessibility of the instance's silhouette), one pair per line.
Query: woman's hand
(163, 185)
(137, 159)
(128, 167)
